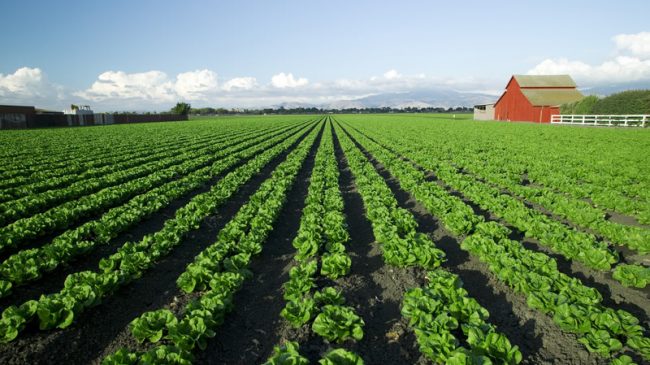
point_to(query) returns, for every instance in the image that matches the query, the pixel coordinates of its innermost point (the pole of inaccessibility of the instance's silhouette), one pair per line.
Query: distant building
(16, 116)
(78, 110)
(20, 117)
(534, 98)
(484, 112)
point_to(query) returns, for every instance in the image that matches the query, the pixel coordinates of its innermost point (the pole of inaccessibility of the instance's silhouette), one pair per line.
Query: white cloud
(631, 65)
(27, 84)
(282, 81)
(194, 85)
(240, 83)
(392, 75)
(152, 86)
(156, 90)
(637, 44)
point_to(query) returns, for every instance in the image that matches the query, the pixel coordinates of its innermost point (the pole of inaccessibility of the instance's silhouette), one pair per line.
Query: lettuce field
(337, 239)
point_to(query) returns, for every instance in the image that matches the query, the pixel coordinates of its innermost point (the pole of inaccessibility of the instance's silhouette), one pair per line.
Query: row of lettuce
(43, 157)
(450, 326)
(574, 306)
(557, 236)
(86, 289)
(38, 214)
(216, 274)
(97, 176)
(30, 264)
(320, 259)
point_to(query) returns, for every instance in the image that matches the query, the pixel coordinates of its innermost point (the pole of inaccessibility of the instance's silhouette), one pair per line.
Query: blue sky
(151, 53)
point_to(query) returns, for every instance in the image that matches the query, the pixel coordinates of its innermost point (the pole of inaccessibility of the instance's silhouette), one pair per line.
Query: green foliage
(190, 332)
(299, 312)
(166, 355)
(150, 326)
(335, 265)
(636, 276)
(287, 354)
(626, 102)
(121, 357)
(622, 360)
(338, 323)
(341, 357)
(181, 108)
(14, 320)
(584, 106)
(300, 280)
(329, 295)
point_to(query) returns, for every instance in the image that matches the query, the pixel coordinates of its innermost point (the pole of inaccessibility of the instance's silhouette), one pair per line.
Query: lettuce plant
(341, 357)
(338, 323)
(335, 265)
(287, 354)
(151, 326)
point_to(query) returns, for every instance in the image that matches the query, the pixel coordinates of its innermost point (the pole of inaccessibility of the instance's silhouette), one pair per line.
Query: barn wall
(513, 105)
(545, 114)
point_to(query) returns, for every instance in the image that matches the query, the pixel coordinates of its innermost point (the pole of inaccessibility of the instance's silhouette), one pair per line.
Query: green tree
(181, 108)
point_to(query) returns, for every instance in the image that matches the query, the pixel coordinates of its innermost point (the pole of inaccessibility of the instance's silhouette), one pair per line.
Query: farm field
(337, 239)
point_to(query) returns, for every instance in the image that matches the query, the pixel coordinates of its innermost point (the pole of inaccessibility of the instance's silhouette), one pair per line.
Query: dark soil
(104, 329)
(540, 340)
(624, 219)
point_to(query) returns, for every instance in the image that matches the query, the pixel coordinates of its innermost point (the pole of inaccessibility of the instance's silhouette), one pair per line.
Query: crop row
(38, 202)
(575, 210)
(572, 244)
(68, 213)
(86, 289)
(609, 197)
(320, 253)
(28, 265)
(490, 166)
(575, 307)
(54, 164)
(439, 310)
(216, 273)
(114, 163)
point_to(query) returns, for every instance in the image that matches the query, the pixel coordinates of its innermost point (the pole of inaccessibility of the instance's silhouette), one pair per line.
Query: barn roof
(551, 97)
(544, 81)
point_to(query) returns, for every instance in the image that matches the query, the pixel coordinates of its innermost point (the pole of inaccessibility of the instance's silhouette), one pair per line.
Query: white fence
(638, 120)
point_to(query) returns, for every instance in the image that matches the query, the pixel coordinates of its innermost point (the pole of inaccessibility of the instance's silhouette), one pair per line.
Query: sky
(147, 55)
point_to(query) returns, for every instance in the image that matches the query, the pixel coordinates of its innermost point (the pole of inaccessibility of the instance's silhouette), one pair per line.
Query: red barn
(534, 98)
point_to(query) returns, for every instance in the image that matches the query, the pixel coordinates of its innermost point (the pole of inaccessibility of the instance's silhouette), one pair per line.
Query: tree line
(626, 102)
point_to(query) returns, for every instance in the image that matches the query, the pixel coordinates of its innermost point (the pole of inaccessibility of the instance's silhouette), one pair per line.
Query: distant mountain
(444, 98)
(440, 97)
(606, 90)
(294, 105)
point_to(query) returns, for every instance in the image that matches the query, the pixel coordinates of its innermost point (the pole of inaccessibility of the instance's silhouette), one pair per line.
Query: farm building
(534, 98)
(484, 112)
